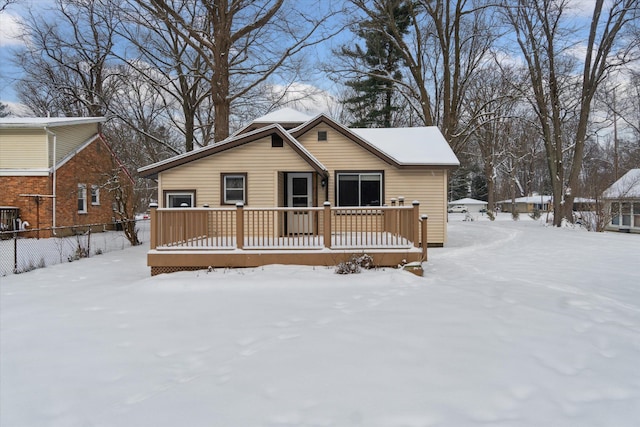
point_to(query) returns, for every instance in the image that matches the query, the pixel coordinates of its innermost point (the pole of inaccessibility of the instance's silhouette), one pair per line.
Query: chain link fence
(27, 250)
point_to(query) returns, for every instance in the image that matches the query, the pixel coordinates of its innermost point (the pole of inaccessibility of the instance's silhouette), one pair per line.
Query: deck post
(415, 226)
(153, 215)
(327, 225)
(240, 225)
(423, 223)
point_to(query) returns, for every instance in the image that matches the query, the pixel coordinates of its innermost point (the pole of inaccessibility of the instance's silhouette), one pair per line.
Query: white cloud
(10, 30)
(581, 8)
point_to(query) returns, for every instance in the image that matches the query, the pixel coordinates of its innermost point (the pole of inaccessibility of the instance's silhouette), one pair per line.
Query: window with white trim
(234, 188)
(180, 199)
(95, 195)
(82, 198)
(359, 189)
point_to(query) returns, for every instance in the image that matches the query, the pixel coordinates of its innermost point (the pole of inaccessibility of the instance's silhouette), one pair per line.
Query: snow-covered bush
(355, 264)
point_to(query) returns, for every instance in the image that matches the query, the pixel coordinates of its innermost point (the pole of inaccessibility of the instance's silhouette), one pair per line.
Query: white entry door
(299, 193)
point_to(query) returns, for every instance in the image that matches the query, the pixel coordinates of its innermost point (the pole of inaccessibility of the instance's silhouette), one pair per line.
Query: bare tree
(492, 102)
(563, 82)
(173, 69)
(445, 44)
(242, 42)
(66, 59)
(6, 3)
(121, 189)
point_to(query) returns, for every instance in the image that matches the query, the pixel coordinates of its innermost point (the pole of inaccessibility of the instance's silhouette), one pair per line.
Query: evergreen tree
(372, 103)
(479, 189)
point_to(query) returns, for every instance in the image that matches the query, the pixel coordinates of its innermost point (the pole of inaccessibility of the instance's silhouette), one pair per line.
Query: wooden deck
(198, 238)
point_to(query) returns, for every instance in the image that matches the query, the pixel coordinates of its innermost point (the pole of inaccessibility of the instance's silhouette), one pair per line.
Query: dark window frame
(337, 175)
(323, 135)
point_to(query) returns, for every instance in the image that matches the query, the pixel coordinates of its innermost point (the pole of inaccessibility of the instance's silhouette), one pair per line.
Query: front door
(299, 191)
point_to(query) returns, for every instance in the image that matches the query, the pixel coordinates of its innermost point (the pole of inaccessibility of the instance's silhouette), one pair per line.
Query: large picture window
(359, 189)
(180, 199)
(234, 188)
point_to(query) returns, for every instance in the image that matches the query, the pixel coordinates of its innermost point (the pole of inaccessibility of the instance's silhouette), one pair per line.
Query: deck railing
(384, 227)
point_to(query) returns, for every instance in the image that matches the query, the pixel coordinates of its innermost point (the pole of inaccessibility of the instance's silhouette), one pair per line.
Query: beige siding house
(288, 160)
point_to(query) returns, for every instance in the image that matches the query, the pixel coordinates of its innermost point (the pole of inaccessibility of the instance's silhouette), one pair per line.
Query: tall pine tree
(372, 103)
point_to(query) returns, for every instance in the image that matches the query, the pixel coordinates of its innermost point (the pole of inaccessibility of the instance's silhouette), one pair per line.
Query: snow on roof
(530, 199)
(416, 145)
(284, 115)
(40, 122)
(626, 187)
(468, 201)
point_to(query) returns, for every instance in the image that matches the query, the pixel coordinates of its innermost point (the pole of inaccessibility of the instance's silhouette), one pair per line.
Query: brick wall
(13, 186)
(93, 165)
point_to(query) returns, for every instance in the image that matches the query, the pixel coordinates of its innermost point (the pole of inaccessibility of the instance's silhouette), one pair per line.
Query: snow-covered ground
(513, 324)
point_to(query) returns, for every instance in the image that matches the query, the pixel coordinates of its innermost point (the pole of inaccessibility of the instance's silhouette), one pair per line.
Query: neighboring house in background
(526, 204)
(472, 205)
(623, 202)
(53, 171)
(287, 159)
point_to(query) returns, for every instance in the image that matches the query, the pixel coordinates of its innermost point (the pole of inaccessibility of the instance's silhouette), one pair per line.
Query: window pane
(234, 182)
(82, 198)
(615, 213)
(626, 214)
(95, 195)
(299, 186)
(176, 200)
(348, 190)
(636, 215)
(370, 190)
(234, 195)
(234, 189)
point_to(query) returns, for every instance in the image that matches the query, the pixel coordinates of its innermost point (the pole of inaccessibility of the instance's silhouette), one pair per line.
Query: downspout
(55, 163)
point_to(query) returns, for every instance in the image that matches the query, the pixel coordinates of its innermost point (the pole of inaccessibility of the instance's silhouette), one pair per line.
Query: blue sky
(10, 32)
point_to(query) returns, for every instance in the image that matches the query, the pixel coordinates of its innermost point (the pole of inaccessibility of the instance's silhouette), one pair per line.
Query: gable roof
(42, 122)
(627, 187)
(411, 146)
(152, 170)
(400, 147)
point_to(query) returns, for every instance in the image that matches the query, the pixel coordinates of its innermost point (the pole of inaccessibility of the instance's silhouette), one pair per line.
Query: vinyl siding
(258, 159)
(428, 186)
(263, 164)
(69, 138)
(23, 149)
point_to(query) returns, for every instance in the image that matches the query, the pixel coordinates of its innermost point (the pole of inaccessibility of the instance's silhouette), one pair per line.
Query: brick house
(54, 171)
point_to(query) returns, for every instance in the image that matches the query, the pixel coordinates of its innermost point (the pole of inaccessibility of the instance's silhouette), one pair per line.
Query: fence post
(415, 223)
(89, 242)
(240, 225)
(423, 221)
(327, 225)
(15, 253)
(153, 227)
